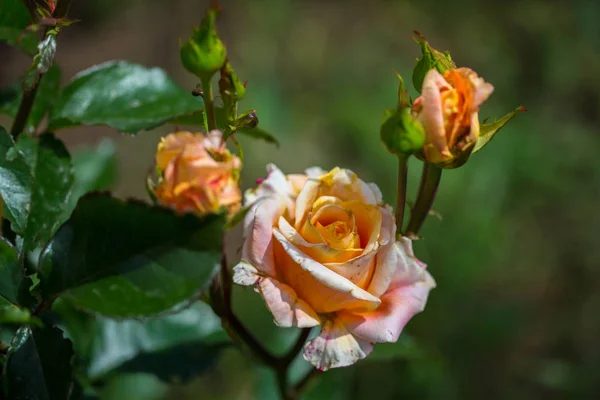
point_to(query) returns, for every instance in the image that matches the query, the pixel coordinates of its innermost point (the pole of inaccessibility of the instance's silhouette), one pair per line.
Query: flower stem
(430, 180)
(24, 109)
(209, 107)
(401, 191)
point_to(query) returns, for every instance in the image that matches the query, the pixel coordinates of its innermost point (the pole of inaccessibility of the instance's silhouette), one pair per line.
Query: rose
(321, 250)
(199, 174)
(448, 109)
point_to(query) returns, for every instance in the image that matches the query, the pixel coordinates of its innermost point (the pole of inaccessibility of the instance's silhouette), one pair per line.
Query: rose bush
(199, 174)
(448, 109)
(321, 249)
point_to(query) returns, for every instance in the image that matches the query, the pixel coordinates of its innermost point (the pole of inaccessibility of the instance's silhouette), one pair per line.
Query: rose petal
(274, 184)
(258, 230)
(340, 183)
(481, 89)
(287, 309)
(313, 281)
(314, 172)
(305, 201)
(321, 252)
(335, 347)
(407, 296)
(377, 192)
(388, 256)
(432, 116)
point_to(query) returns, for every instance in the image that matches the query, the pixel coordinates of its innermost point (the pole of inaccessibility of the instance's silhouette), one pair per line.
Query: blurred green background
(517, 254)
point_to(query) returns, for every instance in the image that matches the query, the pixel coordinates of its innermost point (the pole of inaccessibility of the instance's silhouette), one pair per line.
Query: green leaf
(95, 169)
(12, 285)
(47, 94)
(129, 259)
(405, 348)
(38, 365)
(11, 273)
(122, 95)
(14, 18)
(15, 184)
(257, 133)
(487, 131)
(173, 347)
(52, 182)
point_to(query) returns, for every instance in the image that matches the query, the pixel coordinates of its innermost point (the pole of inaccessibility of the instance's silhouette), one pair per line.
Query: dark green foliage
(129, 259)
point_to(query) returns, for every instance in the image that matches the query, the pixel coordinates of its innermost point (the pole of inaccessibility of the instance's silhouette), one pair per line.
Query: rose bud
(198, 173)
(448, 109)
(321, 249)
(204, 53)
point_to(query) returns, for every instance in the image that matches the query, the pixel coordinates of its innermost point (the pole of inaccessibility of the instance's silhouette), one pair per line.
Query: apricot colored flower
(448, 109)
(321, 250)
(199, 174)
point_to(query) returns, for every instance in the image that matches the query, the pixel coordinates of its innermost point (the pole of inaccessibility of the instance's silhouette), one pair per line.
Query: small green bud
(430, 59)
(204, 53)
(401, 133)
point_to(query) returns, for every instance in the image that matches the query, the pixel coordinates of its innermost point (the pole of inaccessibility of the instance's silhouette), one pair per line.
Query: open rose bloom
(448, 109)
(199, 174)
(321, 250)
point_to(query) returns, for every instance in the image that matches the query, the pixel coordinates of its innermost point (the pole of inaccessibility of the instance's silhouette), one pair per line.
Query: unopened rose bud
(402, 133)
(448, 109)
(204, 53)
(198, 173)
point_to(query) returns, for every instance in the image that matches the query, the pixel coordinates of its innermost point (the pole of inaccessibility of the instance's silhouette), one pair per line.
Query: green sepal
(487, 131)
(430, 59)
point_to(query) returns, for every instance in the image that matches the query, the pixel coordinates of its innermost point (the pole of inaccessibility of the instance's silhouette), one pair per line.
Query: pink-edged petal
(432, 115)
(345, 294)
(258, 231)
(335, 347)
(346, 185)
(275, 184)
(314, 172)
(377, 192)
(406, 296)
(287, 309)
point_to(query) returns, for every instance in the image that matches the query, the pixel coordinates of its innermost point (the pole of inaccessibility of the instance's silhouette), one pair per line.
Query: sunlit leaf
(128, 97)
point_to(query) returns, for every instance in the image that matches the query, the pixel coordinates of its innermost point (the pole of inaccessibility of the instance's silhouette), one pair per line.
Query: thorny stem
(221, 296)
(209, 107)
(430, 180)
(401, 191)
